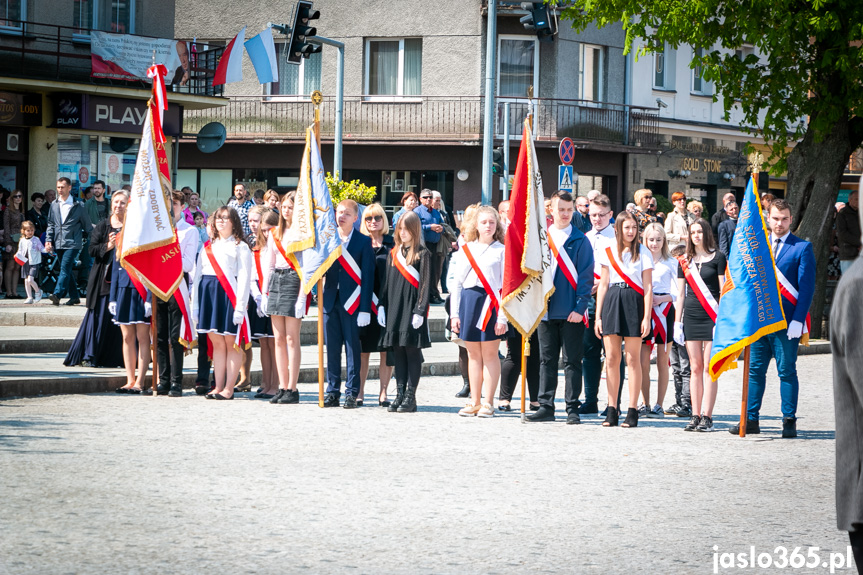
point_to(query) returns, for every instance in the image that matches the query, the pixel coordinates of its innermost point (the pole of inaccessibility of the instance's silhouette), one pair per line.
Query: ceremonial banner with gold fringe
(527, 277)
(750, 306)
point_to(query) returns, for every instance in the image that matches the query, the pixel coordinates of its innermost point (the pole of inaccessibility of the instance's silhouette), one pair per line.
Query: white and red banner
(230, 68)
(128, 57)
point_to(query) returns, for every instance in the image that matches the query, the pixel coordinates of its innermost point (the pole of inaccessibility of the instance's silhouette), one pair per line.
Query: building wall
(152, 17)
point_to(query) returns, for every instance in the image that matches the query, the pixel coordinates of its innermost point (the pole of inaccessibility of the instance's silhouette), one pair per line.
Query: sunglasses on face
(425, 197)
(373, 218)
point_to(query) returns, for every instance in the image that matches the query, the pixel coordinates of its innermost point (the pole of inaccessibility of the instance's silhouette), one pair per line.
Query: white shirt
(665, 277)
(272, 259)
(633, 270)
(236, 262)
(490, 260)
(66, 207)
(598, 240)
(188, 237)
(559, 237)
(781, 243)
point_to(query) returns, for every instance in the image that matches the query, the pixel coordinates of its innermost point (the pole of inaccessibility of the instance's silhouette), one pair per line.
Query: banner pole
(745, 399)
(525, 349)
(154, 344)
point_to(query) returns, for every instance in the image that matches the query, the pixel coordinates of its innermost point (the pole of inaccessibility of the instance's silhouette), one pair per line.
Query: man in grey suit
(846, 335)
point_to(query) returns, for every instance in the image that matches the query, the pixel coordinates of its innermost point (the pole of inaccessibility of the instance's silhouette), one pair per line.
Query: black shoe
(359, 403)
(673, 410)
(693, 423)
(706, 424)
(631, 418)
(604, 412)
(281, 393)
(611, 416)
(331, 400)
(75, 301)
(350, 402)
(588, 408)
(175, 392)
(572, 418)
(121, 390)
(383, 403)
(685, 411)
(290, 397)
(753, 427)
(544, 413)
(400, 397)
(221, 397)
(54, 299)
(263, 396)
(160, 390)
(465, 390)
(201, 388)
(504, 407)
(409, 405)
(534, 407)
(789, 427)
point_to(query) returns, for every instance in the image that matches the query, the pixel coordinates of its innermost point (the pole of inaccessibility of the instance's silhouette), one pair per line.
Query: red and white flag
(148, 244)
(230, 68)
(528, 281)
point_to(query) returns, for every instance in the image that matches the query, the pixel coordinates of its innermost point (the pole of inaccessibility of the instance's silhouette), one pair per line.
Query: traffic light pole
(340, 100)
(488, 133)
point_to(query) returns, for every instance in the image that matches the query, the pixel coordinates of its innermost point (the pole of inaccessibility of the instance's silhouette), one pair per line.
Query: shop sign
(105, 114)
(702, 164)
(20, 109)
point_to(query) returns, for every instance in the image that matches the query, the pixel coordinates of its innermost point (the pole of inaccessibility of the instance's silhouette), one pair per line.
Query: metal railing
(432, 118)
(38, 51)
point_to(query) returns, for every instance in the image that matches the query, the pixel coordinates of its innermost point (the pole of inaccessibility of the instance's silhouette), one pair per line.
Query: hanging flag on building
(313, 225)
(527, 278)
(230, 68)
(262, 52)
(750, 306)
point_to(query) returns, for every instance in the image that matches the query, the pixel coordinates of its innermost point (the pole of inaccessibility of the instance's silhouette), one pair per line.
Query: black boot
(465, 390)
(400, 397)
(409, 405)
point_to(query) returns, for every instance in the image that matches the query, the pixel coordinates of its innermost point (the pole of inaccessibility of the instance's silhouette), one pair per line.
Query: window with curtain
(659, 71)
(11, 12)
(698, 83)
(517, 61)
(117, 16)
(296, 80)
(394, 67)
(590, 73)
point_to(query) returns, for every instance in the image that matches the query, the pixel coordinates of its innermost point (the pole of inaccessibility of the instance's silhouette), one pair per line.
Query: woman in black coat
(98, 341)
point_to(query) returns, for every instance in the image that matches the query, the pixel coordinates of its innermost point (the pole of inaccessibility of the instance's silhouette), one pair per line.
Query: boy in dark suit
(347, 303)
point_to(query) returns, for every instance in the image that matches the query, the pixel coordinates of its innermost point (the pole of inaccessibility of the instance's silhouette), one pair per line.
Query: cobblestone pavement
(106, 483)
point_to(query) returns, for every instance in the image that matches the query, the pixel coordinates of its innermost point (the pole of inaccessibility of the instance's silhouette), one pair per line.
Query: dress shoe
(752, 428)
(789, 427)
(75, 301)
(219, 396)
(54, 299)
(243, 387)
(331, 400)
(588, 408)
(504, 407)
(290, 396)
(359, 403)
(263, 395)
(160, 390)
(201, 388)
(122, 390)
(175, 392)
(572, 418)
(350, 402)
(465, 390)
(542, 414)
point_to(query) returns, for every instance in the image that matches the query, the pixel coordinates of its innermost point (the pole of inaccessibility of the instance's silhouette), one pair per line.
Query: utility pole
(340, 101)
(488, 133)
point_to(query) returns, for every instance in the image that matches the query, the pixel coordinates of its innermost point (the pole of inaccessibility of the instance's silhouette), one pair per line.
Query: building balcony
(430, 120)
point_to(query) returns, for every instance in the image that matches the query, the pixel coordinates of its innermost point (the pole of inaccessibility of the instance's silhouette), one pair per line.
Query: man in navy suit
(563, 326)
(347, 303)
(795, 267)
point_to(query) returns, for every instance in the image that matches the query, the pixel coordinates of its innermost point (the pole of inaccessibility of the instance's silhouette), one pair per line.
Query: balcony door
(517, 71)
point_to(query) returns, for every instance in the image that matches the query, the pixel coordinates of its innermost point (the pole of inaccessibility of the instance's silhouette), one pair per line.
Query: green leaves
(354, 190)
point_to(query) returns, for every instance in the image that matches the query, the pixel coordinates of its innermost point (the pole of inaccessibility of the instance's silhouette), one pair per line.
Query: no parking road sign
(566, 151)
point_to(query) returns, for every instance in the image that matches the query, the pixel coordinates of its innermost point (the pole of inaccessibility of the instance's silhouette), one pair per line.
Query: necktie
(776, 244)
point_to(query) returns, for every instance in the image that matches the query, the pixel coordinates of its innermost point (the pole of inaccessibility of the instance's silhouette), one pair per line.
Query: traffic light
(537, 20)
(301, 32)
(497, 161)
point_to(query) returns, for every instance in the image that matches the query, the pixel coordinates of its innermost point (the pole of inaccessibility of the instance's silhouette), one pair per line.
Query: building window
(518, 66)
(590, 73)
(699, 84)
(394, 67)
(663, 68)
(296, 80)
(11, 14)
(117, 16)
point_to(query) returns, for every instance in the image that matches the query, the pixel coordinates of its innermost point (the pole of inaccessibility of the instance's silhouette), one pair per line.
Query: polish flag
(230, 68)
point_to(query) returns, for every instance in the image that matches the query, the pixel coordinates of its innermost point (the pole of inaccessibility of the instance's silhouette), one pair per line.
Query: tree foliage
(354, 190)
(809, 75)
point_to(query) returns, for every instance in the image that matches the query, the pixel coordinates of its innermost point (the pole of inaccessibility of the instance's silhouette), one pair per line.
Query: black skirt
(370, 337)
(130, 307)
(284, 291)
(469, 310)
(622, 311)
(99, 339)
(260, 326)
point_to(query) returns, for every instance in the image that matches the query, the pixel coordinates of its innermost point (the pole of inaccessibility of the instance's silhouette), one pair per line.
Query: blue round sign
(566, 151)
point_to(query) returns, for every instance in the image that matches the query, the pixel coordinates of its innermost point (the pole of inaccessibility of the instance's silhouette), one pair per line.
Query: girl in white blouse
(221, 296)
(475, 307)
(662, 316)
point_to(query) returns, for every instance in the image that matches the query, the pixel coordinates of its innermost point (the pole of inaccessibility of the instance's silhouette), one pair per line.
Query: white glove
(112, 308)
(364, 318)
(678, 333)
(257, 299)
(417, 321)
(148, 309)
(238, 317)
(300, 307)
(262, 306)
(795, 330)
(382, 316)
(260, 311)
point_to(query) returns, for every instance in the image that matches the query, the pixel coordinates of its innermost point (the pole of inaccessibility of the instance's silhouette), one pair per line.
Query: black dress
(697, 325)
(99, 340)
(371, 334)
(401, 300)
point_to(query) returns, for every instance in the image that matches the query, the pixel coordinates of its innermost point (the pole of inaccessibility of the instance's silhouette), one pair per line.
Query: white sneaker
(38, 296)
(28, 300)
(485, 411)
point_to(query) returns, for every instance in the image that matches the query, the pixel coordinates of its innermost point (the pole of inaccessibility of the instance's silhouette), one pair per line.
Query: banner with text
(127, 57)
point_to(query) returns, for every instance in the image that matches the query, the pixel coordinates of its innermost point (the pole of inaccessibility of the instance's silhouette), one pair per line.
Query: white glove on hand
(678, 333)
(300, 307)
(260, 311)
(262, 307)
(382, 317)
(364, 318)
(238, 317)
(112, 308)
(148, 309)
(417, 321)
(795, 330)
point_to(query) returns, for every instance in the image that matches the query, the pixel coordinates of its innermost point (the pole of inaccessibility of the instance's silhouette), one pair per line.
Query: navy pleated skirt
(215, 313)
(130, 307)
(470, 310)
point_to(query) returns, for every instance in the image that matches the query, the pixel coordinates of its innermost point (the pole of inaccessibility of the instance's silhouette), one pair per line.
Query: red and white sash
(349, 264)
(492, 297)
(256, 254)
(618, 267)
(788, 292)
(659, 319)
(244, 333)
(699, 288)
(410, 273)
(187, 332)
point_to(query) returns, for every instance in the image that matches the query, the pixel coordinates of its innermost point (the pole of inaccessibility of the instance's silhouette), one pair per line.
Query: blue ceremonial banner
(750, 306)
(313, 228)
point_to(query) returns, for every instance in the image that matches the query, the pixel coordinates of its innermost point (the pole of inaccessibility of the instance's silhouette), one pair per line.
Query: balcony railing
(48, 52)
(429, 118)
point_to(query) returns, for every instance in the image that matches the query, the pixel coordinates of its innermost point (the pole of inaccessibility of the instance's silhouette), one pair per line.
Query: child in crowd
(29, 257)
(201, 224)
